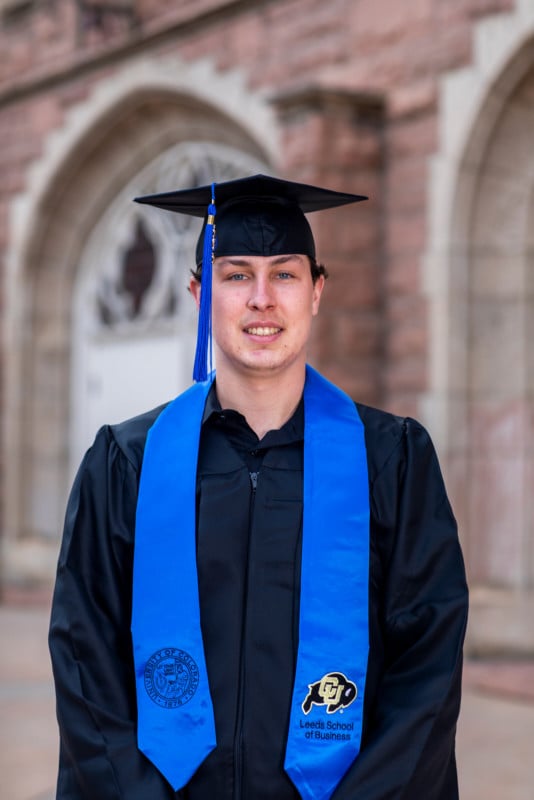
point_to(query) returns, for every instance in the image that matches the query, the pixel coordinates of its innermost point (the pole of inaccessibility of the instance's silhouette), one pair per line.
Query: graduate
(260, 591)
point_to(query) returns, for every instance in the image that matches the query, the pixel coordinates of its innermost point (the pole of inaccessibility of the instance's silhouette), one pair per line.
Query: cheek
(224, 315)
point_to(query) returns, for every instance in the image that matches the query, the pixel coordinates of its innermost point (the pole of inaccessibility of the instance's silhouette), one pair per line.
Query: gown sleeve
(421, 608)
(89, 638)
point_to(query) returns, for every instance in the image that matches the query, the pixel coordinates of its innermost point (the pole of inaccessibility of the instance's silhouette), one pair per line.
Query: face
(262, 309)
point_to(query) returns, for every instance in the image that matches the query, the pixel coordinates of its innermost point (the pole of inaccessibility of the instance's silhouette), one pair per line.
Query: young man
(288, 561)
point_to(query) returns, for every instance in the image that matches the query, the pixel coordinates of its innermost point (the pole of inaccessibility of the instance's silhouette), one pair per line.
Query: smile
(262, 331)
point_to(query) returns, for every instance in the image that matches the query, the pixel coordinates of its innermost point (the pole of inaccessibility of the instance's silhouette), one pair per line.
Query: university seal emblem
(171, 677)
(334, 691)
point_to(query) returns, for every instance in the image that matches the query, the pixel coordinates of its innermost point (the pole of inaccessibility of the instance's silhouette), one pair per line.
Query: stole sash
(176, 728)
(327, 706)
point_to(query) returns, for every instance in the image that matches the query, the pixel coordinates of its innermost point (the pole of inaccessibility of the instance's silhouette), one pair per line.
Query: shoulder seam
(111, 432)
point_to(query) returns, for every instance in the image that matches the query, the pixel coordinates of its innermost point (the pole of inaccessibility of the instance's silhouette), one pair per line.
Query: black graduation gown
(249, 610)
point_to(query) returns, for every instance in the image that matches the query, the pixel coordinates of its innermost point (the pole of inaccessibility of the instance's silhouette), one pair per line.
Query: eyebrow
(237, 261)
(242, 261)
(285, 258)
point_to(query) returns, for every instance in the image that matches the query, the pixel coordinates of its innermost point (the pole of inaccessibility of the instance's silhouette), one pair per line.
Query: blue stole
(176, 728)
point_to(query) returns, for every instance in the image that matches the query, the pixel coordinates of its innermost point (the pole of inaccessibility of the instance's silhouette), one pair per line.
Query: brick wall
(55, 50)
(354, 86)
(336, 139)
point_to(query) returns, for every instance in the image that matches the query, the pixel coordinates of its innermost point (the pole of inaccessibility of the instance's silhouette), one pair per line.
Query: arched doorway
(482, 277)
(134, 325)
(498, 284)
(100, 173)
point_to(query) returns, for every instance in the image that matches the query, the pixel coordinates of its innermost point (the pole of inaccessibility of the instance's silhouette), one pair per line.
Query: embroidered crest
(334, 691)
(171, 677)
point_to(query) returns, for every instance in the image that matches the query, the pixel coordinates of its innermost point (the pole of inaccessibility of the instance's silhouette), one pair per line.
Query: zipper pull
(254, 480)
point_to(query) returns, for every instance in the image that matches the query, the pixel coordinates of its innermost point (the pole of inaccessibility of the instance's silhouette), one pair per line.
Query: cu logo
(334, 691)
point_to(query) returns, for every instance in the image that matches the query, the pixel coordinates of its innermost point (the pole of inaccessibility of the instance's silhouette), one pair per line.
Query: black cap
(254, 216)
(257, 215)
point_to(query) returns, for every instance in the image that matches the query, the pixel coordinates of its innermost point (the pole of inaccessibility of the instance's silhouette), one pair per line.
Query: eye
(236, 276)
(284, 275)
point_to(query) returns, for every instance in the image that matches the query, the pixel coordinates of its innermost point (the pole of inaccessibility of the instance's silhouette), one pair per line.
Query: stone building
(427, 106)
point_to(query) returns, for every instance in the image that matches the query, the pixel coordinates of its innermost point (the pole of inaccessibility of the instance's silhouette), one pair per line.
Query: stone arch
(129, 119)
(499, 381)
(125, 315)
(479, 274)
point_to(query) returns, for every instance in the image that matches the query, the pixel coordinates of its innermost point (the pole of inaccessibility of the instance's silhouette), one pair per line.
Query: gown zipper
(238, 741)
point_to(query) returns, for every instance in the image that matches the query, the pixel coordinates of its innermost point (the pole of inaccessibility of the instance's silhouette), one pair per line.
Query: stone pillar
(335, 139)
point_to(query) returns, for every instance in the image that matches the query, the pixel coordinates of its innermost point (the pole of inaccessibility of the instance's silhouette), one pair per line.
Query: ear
(318, 287)
(194, 288)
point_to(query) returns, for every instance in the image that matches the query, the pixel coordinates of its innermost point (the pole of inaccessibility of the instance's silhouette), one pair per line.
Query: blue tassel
(204, 353)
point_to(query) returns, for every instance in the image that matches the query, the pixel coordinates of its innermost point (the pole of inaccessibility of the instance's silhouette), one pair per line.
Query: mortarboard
(257, 215)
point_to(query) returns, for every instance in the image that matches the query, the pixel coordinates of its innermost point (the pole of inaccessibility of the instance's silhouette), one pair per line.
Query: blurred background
(426, 106)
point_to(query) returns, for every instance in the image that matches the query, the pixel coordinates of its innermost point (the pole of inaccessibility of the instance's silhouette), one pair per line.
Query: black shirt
(249, 513)
(243, 439)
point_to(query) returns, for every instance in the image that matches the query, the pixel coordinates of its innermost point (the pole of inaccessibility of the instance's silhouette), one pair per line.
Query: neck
(266, 403)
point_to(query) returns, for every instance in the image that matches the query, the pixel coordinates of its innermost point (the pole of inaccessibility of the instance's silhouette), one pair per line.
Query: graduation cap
(254, 216)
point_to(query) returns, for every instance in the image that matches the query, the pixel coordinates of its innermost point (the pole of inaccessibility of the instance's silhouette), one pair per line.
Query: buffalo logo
(171, 677)
(334, 691)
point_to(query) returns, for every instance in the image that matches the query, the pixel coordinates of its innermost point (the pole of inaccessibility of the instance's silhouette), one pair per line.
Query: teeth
(263, 331)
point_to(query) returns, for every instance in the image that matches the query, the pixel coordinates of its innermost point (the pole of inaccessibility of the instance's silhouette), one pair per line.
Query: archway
(97, 175)
(500, 376)
(480, 278)
(134, 325)
(491, 320)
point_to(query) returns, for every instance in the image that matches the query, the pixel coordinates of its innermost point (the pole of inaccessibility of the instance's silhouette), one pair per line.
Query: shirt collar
(291, 431)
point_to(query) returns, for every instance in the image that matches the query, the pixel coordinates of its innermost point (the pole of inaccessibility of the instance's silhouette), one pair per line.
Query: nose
(262, 294)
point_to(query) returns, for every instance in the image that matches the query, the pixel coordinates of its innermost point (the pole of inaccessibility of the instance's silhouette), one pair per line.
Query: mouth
(262, 331)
